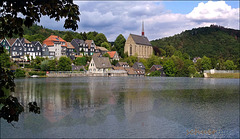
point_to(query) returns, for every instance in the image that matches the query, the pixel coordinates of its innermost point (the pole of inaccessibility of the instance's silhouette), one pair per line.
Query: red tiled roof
(11, 41)
(111, 54)
(53, 38)
(70, 46)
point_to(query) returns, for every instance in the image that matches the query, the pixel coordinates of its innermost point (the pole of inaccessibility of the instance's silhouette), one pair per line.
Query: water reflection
(126, 107)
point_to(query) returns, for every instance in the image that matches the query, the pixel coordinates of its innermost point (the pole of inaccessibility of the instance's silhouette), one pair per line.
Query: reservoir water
(107, 107)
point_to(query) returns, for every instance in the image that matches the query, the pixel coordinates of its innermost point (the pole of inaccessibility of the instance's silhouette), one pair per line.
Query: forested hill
(213, 41)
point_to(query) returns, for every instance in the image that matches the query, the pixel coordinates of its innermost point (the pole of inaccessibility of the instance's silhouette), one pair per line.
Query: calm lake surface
(87, 107)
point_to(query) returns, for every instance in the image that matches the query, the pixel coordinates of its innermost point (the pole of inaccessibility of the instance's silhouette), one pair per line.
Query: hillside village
(54, 47)
(140, 58)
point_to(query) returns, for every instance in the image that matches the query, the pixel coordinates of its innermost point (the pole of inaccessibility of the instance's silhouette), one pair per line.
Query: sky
(161, 18)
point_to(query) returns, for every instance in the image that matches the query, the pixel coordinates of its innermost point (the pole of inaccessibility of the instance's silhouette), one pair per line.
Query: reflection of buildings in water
(138, 104)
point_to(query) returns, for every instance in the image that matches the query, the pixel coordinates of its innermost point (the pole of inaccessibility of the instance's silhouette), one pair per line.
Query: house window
(18, 44)
(25, 49)
(43, 49)
(38, 48)
(32, 49)
(39, 53)
(20, 53)
(6, 47)
(29, 49)
(15, 44)
(14, 48)
(20, 48)
(36, 54)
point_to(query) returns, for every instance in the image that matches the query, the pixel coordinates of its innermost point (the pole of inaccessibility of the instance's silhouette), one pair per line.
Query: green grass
(224, 75)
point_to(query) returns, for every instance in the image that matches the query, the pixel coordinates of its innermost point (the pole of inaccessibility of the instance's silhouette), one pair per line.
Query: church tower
(142, 28)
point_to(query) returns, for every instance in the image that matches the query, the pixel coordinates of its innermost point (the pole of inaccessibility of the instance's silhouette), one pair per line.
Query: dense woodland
(214, 42)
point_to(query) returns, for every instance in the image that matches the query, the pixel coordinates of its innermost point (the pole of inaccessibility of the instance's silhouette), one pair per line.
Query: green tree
(162, 52)
(114, 62)
(5, 59)
(106, 45)
(32, 11)
(170, 50)
(119, 45)
(206, 63)
(45, 65)
(64, 64)
(106, 55)
(52, 64)
(229, 65)
(80, 61)
(155, 73)
(100, 38)
(19, 73)
(192, 70)
(170, 68)
(68, 36)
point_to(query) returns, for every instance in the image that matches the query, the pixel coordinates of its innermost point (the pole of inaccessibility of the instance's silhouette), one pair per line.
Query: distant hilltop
(213, 41)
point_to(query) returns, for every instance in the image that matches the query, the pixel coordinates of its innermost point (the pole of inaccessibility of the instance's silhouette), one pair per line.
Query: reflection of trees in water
(202, 108)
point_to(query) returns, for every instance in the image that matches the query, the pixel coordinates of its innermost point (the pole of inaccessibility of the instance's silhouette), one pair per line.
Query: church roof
(141, 40)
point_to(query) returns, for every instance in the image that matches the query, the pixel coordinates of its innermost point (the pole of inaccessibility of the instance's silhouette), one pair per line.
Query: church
(140, 45)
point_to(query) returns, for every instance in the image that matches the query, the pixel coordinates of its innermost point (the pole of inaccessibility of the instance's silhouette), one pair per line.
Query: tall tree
(80, 61)
(64, 64)
(119, 44)
(68, 37)
(106, 45)
(100, 38)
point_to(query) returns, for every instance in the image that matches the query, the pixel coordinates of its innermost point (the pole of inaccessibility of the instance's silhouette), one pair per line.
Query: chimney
(142, 28)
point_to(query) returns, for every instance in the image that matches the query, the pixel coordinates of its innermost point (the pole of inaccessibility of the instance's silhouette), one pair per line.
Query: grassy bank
(224, 75)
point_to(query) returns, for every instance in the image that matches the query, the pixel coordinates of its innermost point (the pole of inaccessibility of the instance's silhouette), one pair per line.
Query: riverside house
(57, 45)
(80, 46)
(99, 65)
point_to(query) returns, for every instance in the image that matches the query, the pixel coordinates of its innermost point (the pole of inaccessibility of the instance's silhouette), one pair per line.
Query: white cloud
(215, 12)
(120, 17)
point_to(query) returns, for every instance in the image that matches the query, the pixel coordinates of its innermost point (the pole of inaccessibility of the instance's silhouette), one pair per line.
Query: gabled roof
(141, 40)
(70, 46)
(89, 42)
(122, 63)
(23, 40)
(118, 68)
(112, 53)
(138, 65)
(11, 41)
(130, 71)
(102, 62)
(78, 41)
(51, 39)
(157, 66)
(102, 48)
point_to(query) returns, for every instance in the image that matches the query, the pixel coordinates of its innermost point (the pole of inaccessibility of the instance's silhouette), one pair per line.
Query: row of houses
(101, 65)
(20, 49)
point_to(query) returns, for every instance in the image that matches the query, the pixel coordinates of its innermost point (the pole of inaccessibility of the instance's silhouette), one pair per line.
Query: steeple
(142, 28)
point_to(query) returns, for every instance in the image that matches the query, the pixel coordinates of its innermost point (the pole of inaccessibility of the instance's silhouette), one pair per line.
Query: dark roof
(157, 66)
(142, 40)
(138, 65)
(122, 63)
(79, 41)
(102, 62)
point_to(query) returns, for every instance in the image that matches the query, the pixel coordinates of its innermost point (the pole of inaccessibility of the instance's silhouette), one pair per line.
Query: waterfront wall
(212, 71)
(111, 73)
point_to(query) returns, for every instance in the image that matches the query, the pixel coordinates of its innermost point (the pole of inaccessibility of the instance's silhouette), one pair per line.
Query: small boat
(34, 76)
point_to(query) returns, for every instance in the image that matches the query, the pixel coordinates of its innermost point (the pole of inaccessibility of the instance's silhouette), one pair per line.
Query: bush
(40, 73)
(19, 73)
(155, 73)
